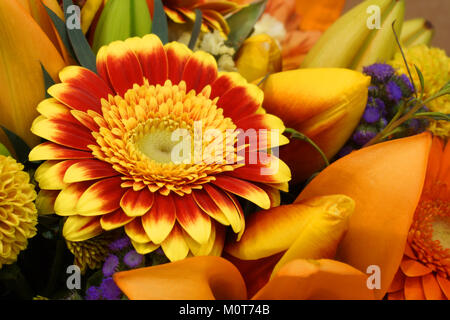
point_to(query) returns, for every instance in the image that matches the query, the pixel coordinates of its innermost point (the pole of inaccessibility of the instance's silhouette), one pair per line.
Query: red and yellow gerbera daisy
(108, 162)
(424, 272)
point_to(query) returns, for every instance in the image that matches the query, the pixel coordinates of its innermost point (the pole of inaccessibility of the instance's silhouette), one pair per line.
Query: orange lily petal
(376, 178)
(198, 278)
(24, 47)
(312, 229)
(316, 280)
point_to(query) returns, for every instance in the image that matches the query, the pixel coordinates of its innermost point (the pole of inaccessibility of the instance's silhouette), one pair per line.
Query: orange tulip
(23, 47)
(385, 181)
(324, 104)
(311, 230)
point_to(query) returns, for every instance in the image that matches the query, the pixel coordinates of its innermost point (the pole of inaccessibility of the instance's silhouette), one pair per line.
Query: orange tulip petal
(198, 278)
(376, 178)
(316, 280)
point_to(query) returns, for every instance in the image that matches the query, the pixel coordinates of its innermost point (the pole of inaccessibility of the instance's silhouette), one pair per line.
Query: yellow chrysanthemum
(18, 214)
(435, 67)
(90, 253)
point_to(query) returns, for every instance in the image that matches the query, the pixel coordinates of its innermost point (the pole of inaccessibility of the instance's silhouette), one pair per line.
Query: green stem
(298, 135)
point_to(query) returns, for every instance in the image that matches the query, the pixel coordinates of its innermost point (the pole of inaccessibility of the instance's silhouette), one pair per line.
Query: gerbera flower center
(139, 133)
(429, 235)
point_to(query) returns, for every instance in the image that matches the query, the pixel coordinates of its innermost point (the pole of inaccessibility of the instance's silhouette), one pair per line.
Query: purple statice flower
(363, 134)
(393, 92)
(109, 289)
(406, 85)
(110, 265)
(133, 259)
(371, 115)
(93, 293)
(379, 72)
(120, 244)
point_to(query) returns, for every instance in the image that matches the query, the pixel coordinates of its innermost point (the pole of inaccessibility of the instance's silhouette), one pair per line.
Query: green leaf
(48, 81)
(242, 22)
(196, 30)
(4, 151)
(141, 23)
(83, 51)
(433, 116)
(422, 81)
(60, 26)
(20, 147)
(159, 26)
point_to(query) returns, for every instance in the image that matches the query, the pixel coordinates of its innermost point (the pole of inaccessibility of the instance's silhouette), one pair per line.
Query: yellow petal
(312, 229)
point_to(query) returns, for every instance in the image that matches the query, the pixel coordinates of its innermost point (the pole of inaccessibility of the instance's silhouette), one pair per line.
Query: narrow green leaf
(48, 81)
(433, 116)
(242, 23)
(422, 81)
(83, 51)
(159, 26)
(196, 30)
(20, 147)
(60, 26)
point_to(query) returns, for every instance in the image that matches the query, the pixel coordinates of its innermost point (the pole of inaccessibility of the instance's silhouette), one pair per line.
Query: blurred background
(436, 11)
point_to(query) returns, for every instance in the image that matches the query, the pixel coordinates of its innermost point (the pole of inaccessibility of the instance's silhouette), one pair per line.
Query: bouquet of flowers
(206, 149)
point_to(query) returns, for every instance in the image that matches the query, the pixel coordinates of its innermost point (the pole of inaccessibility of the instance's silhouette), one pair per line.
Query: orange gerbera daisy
(424, 272)
(213, 12)
(109, 155)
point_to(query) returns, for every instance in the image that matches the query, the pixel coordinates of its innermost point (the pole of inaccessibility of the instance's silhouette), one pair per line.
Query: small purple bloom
(120, 244)
(371, 115)
(363, 134)
(110, 266)
(109, 289)
(393, 91)
(133, 259)
(383, 123)
(93, 293)
(407, 85)
(379, 72)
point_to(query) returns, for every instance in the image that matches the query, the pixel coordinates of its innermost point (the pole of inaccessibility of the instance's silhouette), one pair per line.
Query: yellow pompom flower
(435, 67)
(18, 214)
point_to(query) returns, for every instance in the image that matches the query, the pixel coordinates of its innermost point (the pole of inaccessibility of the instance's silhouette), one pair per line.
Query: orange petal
(243, 189)
(316, 280)
(398, 283)
(159, 222)
(84, 170)
(431, 288)
(100, 198)
(399, 295)
(148, 50)
(114, 220)
(312, 229)
(199, 71)
(137, 203)
(175, 246)
(50, 174)
(319, 14)
(198, 278)
(414, 289)
(53, 151)
(177, 56)
(413, 268)
(136, 231)
(376, 178)
(445, 285)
